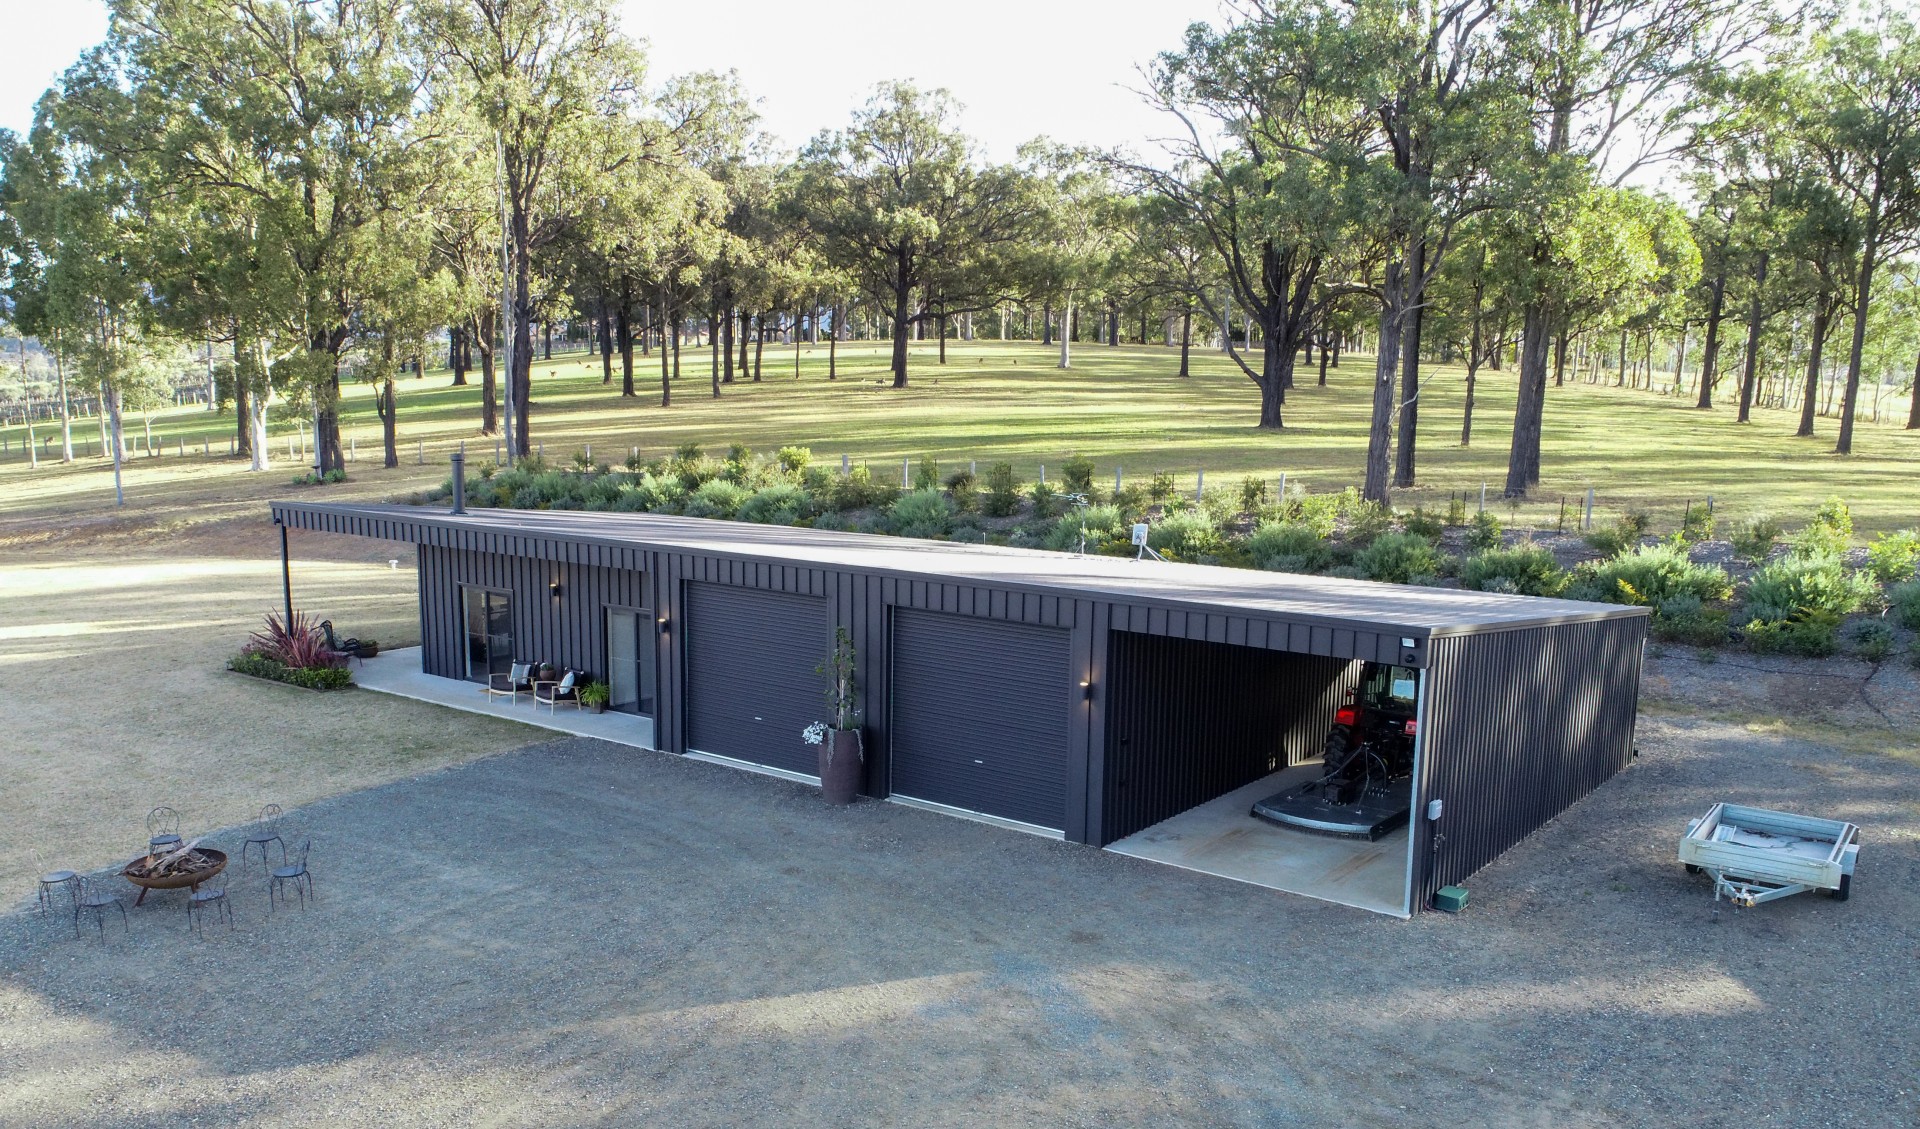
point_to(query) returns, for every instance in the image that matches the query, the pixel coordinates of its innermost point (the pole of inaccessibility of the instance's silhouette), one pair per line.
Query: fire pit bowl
(134, 872)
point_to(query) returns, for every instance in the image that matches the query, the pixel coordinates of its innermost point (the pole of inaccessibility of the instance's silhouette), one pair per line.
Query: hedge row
(311, 677)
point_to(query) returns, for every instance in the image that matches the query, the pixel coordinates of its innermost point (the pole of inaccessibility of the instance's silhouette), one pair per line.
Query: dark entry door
(752, 683)
(980, 715)
(489, 616)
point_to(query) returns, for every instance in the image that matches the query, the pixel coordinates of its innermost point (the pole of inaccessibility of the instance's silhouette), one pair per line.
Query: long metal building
(1134, 705)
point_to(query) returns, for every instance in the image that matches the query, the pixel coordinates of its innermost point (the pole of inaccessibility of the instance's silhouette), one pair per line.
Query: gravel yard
(573, 933)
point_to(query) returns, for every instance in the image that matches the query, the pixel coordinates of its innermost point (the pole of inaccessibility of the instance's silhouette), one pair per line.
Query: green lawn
(1122, 407)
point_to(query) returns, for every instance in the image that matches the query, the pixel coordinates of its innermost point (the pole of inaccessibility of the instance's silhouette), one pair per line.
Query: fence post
(540, 451)
(906, 478)
(1283, 488)
(1483, 497)
(973, 467)
(496, 450)
(1043, 472)
(1586, 517)
(589, 454)
(1116, 480)
(353, 448)
(846, 466)
(420, 452)
(182, 451)
(1709, 505)
(1200, 485)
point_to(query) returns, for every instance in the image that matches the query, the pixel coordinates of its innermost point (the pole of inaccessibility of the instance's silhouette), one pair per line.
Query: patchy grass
(1121, 407)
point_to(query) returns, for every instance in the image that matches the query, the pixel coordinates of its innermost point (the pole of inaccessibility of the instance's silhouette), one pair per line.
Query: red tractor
(1365, 787)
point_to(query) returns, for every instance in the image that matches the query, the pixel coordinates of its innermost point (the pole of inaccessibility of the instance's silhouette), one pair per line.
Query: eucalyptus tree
(897, 194)
(1268, 169)
(1864, 128)
(1607, 83)
(1074, 252)
(542, 76)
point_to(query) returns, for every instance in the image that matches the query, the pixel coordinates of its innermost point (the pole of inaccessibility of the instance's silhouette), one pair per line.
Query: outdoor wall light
(553, 588)
(1086, 690)
(663, 623)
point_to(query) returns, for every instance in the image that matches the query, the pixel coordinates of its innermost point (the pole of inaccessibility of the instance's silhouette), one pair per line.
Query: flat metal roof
(1360, 604)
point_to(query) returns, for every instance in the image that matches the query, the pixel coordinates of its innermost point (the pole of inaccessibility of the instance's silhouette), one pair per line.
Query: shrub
(717, 498)
(1187, 535)
(1830, 533)
(794, 460)
(1288, 546)
(923, 513)
(1648, 574)
(1796, 583)
(1253, 494)
(1045, 499)
(1423, 523)
(1893, 556)
(1685, 619)
(1814, 635)
(1003, 491)
(1525, 569)
(1397, 558)
(965, 490)
(1366, 521)
(313, 677)
(654, 494)
(780, 504)
(926, 473)
(1320, 511)
(1871, 639)
(1905, 601)
(1484, 533)
(856, 490)
(1696, 525)
(1623, 534)
(1160, 487)
(297, 643)
(1077, 475)
(1754, 538)
(1099, 523)
(1456, 510)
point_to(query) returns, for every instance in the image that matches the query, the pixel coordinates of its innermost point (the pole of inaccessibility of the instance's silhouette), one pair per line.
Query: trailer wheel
(1692, 869)
(1846, 888)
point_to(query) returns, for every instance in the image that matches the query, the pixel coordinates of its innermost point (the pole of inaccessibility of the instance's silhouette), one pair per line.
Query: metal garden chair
(266, 829)
(209, 895)
(296, 874)
(95, 896)
(163, 830)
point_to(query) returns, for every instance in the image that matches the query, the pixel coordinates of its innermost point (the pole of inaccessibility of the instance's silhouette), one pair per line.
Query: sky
(1019, 68)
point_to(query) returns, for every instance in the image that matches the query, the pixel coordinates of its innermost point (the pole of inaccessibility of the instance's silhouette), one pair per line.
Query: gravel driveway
(576, 934)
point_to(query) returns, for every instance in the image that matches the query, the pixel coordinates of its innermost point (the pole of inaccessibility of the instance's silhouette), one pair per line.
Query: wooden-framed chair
(516, 681)
(564, 691)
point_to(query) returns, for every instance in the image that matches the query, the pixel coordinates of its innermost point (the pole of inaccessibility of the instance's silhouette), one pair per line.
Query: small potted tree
(841, 757)
(594, 695)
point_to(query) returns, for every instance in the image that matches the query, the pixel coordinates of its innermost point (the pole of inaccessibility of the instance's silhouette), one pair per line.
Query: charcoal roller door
(752, 683)
(980, 715)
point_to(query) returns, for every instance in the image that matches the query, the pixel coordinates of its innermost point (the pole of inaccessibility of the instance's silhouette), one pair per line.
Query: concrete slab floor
(398, 672)
(1220, 838)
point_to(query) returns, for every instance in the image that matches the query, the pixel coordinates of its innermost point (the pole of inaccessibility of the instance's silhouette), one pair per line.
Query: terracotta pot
(841, 766)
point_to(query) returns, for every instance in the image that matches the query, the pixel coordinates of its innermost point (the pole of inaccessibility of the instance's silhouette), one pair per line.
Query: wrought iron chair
(209, 895)
(266, 829)
(295, 873)
(95, 896)
(163, 830)
(51, 885)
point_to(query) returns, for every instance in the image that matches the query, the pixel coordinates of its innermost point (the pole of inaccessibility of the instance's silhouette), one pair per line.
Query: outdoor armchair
(516, 681)
(566, 689)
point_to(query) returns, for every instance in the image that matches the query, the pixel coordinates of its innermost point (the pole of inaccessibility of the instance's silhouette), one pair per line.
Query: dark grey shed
(1085, 696)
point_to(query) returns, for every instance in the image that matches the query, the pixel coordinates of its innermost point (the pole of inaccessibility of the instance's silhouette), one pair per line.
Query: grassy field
(1121, 407)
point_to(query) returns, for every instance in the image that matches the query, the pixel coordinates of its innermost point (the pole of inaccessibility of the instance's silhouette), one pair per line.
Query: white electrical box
(1433, 810)
(1140, 533)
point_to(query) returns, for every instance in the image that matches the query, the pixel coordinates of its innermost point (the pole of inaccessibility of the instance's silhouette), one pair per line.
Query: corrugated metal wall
(1188, 720)
(1519, 725)
(568, 629)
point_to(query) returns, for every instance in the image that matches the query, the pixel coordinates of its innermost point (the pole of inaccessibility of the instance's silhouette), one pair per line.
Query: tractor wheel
(1845, 890)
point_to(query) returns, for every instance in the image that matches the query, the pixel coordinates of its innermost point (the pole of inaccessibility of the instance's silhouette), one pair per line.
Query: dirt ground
(518, 931)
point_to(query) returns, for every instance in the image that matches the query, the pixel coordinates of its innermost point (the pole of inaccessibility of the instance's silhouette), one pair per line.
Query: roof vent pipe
(459, 482)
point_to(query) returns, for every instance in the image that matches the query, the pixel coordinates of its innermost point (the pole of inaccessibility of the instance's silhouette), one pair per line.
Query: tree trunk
(603, 326)
(759, 344)
(389, 437)
(1276, 374)
(1710, 351)
(489, 382)
(1186, 338)
(1410, 368)
(714, 348)
(242, 408)
(1863, 300)
(623, 335)
(546, 340)
(1046, 324)
(1755, 317)
(456, 355)
(1067, 325)
(1913, 407)
(900, 331)
(1113, 323)
(326, 416)
(833, 341)
(943, 337)
(726, 350)
(1523, 458)
(1475, 345)
(1386, 368)
(1679, 362)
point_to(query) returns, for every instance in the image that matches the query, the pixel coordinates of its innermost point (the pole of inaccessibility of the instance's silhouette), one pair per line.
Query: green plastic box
(1450, 899)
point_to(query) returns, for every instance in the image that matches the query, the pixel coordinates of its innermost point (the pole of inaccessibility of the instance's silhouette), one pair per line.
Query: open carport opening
(1199, 732)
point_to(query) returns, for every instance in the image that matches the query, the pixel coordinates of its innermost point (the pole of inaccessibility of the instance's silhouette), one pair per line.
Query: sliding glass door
(630, 651)
(489, 616)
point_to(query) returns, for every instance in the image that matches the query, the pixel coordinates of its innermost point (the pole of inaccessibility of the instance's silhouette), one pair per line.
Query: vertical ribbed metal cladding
(566, 627)
(1521, 725)
(981, 715)
(1188, 720)
(752, 672)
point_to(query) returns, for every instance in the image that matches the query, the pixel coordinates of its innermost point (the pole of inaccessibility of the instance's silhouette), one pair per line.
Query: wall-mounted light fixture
(1086, 691)
(553, 588)
(662, 621)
